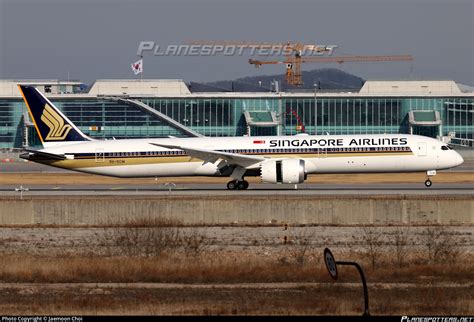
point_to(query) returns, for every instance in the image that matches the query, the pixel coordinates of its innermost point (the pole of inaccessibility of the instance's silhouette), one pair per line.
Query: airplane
(275, 159)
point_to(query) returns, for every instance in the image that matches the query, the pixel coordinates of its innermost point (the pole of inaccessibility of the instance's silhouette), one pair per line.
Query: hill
(325, 79)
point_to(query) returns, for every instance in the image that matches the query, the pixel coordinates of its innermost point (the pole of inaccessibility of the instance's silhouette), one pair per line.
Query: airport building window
(223, 116)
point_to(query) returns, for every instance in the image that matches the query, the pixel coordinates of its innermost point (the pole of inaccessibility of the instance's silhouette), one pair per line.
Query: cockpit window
(445, 148)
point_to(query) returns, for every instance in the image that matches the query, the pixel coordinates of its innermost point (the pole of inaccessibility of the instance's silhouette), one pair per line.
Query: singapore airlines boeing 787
(276, 159)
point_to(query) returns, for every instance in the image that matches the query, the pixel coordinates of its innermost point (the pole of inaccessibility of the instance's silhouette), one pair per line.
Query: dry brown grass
(219, 267)
(213, 268)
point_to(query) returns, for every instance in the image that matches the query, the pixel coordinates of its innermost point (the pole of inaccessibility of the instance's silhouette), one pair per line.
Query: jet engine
(283, 171)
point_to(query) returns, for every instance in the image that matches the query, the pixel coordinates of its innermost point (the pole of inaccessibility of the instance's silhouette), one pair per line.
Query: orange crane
(294, 58)
(293, 64)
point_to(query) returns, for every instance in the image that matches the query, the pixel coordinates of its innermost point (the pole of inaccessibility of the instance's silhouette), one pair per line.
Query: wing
(242, 160)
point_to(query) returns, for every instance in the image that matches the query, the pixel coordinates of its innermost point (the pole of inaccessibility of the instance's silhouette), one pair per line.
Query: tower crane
(293, 64)
(294, 58)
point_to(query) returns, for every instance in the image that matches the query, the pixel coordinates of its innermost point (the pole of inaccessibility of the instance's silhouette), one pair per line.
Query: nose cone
(458, 159)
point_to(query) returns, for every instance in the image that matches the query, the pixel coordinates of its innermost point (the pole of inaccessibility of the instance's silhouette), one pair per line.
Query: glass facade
(217, 116)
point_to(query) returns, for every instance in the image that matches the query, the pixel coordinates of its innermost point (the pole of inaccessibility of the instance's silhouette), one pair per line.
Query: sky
(89, 40)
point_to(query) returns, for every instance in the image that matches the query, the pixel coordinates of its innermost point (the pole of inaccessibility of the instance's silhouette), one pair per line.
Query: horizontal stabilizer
(35, 153)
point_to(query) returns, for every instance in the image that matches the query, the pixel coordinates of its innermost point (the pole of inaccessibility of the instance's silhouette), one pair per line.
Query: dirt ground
(266, 241)
(327, 299)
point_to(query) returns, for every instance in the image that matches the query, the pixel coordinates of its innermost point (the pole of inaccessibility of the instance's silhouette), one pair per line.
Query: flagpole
(141, 74)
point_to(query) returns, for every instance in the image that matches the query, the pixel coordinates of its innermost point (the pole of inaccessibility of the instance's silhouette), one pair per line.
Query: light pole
(315, 111)
(21, 189)
(170, 186)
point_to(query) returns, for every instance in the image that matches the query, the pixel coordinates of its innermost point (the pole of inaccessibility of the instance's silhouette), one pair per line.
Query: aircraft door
(99, 155)
(421, 149)
(322, 152)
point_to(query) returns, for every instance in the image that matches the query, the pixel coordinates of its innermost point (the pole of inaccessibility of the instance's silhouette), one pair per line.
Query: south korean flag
(137, 67)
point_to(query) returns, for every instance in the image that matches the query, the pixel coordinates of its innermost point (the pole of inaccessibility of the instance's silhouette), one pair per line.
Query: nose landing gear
(237, 185)
(429, 173)
(428, 183)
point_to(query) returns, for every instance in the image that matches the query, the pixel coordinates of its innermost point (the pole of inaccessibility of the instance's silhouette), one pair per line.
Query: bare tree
(194, 242)
(441, 244)
(151, 239)
(300, 244)
(372, 240)
(401, 238)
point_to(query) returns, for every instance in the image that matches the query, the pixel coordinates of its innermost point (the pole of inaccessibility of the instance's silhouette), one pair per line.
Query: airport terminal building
(161, 108)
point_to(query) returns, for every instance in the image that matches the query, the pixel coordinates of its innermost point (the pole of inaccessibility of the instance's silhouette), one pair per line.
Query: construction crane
(294, 58)
(293, 64)
(299, 124)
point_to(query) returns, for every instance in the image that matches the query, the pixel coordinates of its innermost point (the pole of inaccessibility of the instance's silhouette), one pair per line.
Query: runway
(254, 189)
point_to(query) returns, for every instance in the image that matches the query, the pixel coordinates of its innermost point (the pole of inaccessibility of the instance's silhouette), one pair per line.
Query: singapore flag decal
(258, 141)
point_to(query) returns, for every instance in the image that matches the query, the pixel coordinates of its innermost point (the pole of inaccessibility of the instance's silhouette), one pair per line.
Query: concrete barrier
(215, 210)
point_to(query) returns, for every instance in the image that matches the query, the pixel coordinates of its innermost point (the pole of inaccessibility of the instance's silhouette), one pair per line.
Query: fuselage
(321, 154)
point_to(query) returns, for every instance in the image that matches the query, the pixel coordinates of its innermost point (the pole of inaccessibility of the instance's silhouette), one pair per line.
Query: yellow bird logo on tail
(57, 129)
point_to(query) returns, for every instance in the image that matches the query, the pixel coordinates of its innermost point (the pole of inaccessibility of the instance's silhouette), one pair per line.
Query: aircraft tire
(428, 183)
(232, 185)
(242, 185)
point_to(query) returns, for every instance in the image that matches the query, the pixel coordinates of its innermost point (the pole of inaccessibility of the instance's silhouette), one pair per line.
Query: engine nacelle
(283, 171)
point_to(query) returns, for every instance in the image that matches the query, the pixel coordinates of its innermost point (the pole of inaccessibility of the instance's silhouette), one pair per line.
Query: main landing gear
(237, 185)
